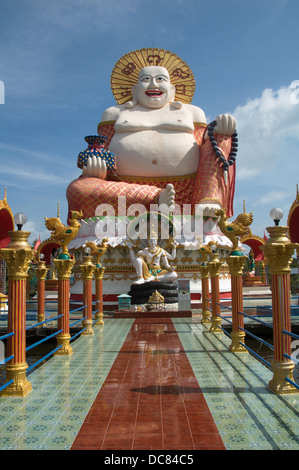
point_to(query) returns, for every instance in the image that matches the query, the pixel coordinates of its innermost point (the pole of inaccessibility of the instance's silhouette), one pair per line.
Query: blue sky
(56, 58)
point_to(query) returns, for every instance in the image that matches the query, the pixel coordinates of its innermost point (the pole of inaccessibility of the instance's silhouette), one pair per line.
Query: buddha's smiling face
(153, 89)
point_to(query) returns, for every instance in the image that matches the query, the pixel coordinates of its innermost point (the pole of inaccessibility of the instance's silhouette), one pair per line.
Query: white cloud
(268, 129)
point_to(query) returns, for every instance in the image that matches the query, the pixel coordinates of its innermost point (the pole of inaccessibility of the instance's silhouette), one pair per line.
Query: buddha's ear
(172, 92)
(134, 87)
(131, 104)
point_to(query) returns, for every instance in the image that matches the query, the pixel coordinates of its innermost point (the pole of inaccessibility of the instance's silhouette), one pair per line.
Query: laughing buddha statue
(164, 150)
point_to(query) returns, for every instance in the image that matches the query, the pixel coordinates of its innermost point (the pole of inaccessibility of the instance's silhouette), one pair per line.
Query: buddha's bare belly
(155, 153)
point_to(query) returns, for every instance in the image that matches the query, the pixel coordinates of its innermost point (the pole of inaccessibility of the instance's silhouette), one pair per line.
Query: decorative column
(278, 251)
(214, 266)
(204, 272)
(18, 256)
(63, 266)
(98, 276)
(41, 273)
(236, 264)
(87, 270)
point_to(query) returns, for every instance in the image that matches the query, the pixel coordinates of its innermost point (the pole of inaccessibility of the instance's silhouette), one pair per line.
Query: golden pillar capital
(17, 261)
(214, 265)
(204, 271)
(235, 264)
(99, 272)
(41, 271)
(87, 268)
(279, 250)
(64, 267)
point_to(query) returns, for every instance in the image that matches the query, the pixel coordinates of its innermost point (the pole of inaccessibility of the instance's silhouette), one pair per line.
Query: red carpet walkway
(151, 398)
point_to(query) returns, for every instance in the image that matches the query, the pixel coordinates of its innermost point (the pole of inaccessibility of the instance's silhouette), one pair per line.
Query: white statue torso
(155, 142)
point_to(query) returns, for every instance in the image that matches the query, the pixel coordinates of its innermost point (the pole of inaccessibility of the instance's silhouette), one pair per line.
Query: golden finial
(58, 210)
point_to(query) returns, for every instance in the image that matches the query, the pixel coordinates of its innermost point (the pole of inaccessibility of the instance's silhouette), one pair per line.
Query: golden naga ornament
(125, 73)
(64, 234)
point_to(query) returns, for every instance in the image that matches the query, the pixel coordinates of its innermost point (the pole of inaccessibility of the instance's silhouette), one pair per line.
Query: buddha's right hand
(95, 168)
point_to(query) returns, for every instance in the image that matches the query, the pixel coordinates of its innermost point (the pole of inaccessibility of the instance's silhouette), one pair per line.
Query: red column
(64, 269)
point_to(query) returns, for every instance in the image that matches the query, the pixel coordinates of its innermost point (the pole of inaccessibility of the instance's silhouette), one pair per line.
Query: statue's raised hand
(226, 124)
(95, 168)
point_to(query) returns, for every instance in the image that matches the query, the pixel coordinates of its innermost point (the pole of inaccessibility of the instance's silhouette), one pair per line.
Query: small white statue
(151, 263)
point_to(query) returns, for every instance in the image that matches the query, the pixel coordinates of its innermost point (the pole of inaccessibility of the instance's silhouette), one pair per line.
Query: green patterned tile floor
(247, 414)
(64, 389)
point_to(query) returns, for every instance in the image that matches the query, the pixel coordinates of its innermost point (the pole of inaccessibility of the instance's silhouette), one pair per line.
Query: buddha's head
(153, 89)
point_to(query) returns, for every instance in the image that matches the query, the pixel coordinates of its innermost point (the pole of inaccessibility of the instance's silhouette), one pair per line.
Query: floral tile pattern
(246, 414)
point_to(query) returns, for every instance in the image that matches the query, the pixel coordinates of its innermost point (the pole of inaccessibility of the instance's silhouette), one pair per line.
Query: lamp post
(18, 256)
(87, 270)
(279, 250)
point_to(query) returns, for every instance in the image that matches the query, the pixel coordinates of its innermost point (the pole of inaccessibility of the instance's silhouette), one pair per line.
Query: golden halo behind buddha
(126, 71)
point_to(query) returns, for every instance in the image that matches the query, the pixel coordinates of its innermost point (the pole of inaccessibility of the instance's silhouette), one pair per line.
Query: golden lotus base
(206, 315)
(235, 345)
(215, 327)
(99, 319)
(88, 325)
(278, 384)
(20, 386)
(63, 339)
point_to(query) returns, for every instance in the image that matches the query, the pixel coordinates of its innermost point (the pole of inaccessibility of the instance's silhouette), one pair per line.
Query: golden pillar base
(235, 345)
(215, 327)
(88, 325)
(64, 340)
(206, 314)
(20, 386)
(278, 383)
(99, 318)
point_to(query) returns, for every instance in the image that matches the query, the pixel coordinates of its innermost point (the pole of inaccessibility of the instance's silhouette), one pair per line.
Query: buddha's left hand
(226, 124)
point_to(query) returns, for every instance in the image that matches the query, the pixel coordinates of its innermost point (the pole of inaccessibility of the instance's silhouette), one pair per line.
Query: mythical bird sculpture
(235, 229)
(98, 250)
(63, 234)
(206, 250)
